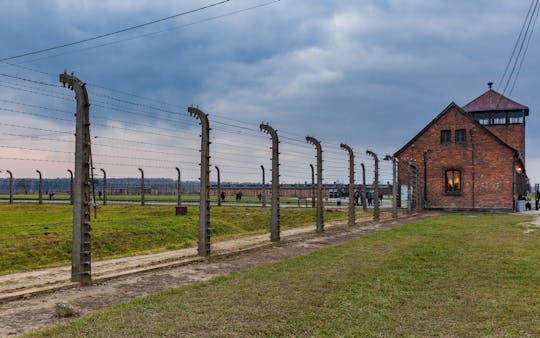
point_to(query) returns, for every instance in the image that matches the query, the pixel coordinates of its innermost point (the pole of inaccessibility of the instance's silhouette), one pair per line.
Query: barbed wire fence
(129, 132)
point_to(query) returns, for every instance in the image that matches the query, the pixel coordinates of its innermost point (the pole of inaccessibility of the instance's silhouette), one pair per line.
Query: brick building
(471, 157)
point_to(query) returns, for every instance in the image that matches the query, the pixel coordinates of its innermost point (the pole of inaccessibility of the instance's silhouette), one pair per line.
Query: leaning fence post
(351, 183)
(40, 188)
(376, 211)
(10, 186)
(263, 193)
(320, 206)
(104, 188)
(218, 186)
(81, 247)
(275, 227)
(179, 188)
(204, 204)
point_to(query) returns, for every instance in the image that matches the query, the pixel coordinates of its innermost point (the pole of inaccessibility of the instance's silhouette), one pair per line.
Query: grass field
(34, 236)
(151, 198)
(453, 275)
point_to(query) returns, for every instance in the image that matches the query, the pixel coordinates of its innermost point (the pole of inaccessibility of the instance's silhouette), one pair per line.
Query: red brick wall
(487, 184)
(511, 134)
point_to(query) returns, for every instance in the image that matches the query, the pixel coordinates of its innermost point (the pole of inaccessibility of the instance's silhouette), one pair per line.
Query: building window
(445, 137)
(515, 117)
(498, 118)
(482, 118)
(461, 136)
(452, 181)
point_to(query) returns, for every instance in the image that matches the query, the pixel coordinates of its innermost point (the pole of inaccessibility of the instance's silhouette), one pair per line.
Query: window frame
(445, 179)
(460, 141)
(447, 140)
(497, 118)
(516, 115)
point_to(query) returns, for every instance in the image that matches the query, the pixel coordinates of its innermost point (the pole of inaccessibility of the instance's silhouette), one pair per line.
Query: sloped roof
(492, 100)
(461, 110)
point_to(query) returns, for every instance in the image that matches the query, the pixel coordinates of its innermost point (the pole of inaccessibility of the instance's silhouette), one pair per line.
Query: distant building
(471, 157)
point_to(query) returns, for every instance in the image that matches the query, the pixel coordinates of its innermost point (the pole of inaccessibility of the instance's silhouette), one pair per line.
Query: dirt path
(37, 311)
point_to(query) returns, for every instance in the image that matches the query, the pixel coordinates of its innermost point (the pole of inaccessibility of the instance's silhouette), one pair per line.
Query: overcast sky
(367, 73)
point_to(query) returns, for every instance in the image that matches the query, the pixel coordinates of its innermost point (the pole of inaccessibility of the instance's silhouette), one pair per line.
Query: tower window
(498, 118)
(482, 118)
(515, 117)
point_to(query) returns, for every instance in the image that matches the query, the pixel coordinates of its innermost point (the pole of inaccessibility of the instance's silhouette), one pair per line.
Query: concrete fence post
(142, 187)
(81, 265)
(10, 186)
(409, 185)
(352, 215)
(40, 188)
(426, 157)
(178, 188)
(204, 204)
(312, 185)
(275, 222)
(376, 201)
(70, 186)
(320, 202)
(364, 189)
(263, 192)
(104, 188)
(218, 186)
(418, 196)
(394, 184)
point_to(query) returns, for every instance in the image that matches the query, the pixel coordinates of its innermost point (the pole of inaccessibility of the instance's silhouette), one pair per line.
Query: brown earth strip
(35, 311)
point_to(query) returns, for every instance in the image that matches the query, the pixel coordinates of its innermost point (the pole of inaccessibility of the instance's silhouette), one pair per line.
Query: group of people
(528, 205)
(359, 198)
(238, 196)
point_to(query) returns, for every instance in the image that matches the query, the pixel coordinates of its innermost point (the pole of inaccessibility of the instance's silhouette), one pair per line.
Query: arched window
(452, 181)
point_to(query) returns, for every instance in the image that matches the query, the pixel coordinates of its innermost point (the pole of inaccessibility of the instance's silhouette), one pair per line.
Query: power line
(525, 52)
(528, 21)
(516, 45)
(114, 32)
(156, 33)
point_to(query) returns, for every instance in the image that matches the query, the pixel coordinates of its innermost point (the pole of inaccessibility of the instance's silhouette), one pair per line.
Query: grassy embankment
(453, 275)
(34, 236)
(189, 198)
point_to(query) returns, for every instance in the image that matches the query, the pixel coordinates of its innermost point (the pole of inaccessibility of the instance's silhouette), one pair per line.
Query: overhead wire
(123, 30)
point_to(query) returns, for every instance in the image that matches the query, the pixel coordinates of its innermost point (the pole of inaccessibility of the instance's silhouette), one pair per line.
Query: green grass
(34, 236)
(148, 197)
(453, 275)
